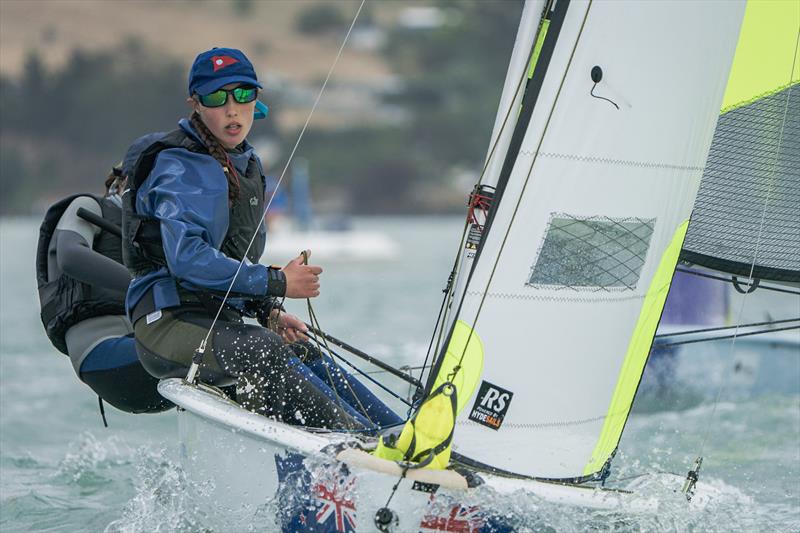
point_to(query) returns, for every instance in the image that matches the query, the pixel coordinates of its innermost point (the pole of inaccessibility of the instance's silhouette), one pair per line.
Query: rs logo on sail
(495, 399)
(491, 405)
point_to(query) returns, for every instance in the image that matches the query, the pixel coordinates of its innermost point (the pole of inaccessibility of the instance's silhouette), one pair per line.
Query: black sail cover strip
(754, 161)
(529, 99)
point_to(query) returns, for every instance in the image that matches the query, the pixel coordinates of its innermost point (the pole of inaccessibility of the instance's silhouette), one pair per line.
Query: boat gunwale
(227, 413)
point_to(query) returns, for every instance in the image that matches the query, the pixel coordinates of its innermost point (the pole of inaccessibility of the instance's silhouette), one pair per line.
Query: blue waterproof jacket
(187, 193)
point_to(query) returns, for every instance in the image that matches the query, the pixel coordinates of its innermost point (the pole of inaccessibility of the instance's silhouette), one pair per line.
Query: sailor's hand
(302, 281)
(288, 326)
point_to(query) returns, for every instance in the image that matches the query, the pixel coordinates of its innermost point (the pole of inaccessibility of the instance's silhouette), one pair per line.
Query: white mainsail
(566, 290)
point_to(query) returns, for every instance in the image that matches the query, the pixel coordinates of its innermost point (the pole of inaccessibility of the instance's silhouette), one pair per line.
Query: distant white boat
(327, 246)
(292, 226)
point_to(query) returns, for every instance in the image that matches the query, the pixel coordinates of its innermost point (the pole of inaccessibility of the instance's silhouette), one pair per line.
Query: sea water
(61, 470)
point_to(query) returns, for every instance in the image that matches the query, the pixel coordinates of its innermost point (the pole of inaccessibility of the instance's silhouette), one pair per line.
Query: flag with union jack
(448, 515)
(320, 504)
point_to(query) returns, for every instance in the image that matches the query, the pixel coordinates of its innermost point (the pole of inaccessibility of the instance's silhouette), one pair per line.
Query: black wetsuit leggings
(254, 358)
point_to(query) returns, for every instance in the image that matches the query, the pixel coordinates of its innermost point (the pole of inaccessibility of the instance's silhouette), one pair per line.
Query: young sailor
(192, 230)
(82, 285)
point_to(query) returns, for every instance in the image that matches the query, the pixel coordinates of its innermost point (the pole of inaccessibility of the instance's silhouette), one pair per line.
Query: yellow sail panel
(636, 356)
(427, 436)
(464, 341)
(767, 56)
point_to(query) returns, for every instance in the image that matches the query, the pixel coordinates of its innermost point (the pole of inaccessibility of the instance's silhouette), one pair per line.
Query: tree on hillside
(320, 18)
(453, 78)
(62, 130)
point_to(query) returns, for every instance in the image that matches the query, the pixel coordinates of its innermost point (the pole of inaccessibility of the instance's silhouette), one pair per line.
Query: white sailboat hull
(244, 463)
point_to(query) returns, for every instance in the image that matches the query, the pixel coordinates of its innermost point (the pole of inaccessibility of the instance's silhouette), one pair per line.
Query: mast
(533, 26)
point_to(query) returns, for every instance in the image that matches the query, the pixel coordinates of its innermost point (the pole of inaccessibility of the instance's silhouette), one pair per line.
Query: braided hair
(115, 181)
(217, 151)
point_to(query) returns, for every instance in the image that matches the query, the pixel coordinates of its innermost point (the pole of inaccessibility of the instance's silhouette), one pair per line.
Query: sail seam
(612, 161)
(505, 176)
(545, 425)
(754, 99)
(513, 296)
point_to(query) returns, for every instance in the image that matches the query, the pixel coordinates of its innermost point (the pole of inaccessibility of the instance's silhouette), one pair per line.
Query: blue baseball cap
(218, 67)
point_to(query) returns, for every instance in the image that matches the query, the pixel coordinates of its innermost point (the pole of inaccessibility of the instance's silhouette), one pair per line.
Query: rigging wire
(382, 514)
(400, 373)
(405, 367)
(441, 317)
(720, 328)
(524, 187)
(190, 377)
(524, 76)
(370, 378)
(767, 199)
(722, 337)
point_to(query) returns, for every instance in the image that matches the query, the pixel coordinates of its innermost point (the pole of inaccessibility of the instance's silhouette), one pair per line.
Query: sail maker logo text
(491, 405)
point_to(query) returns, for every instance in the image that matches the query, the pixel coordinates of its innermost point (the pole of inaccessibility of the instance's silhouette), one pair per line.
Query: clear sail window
(599, 253)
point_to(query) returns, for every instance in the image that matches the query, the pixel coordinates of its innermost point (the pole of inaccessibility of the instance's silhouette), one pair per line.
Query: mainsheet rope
(193, 369)
(312, 318)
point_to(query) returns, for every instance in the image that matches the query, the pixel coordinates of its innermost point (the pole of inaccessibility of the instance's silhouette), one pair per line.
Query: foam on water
(163, 501)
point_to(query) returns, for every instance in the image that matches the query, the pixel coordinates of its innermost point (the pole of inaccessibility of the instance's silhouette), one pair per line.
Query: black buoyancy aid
(65, 301)
(142, 248)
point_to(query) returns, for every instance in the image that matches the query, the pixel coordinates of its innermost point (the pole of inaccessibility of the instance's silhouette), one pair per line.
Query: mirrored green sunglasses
(243, 95)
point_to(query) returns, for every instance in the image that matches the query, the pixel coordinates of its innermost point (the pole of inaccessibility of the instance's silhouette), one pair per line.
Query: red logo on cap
(222, 62)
